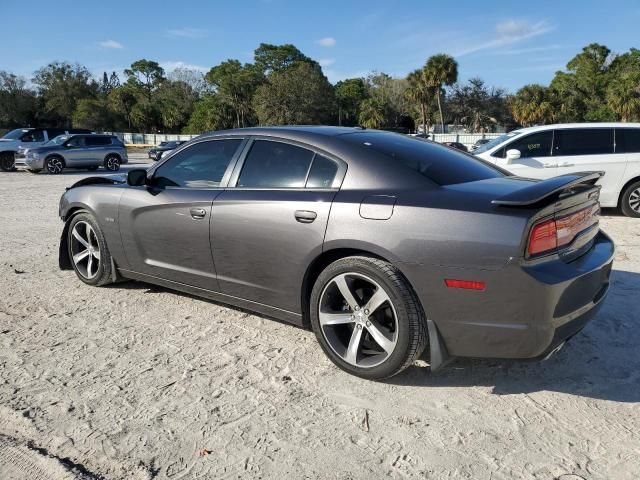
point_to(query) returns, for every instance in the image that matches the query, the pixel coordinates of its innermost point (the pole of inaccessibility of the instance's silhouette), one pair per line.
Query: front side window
(534, 145)
(200, 166)
(583, 141)
(33, 136)
(275, 165)
(76, 142)
(627, 140)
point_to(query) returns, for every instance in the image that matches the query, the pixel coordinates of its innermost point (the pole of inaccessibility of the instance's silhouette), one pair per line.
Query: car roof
(559, 126)
(290, 130)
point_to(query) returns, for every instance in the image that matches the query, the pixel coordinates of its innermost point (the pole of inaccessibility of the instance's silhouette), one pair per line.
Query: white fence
(467, 139)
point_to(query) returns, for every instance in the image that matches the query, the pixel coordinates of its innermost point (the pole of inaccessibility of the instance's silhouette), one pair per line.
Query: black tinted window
(533, 145)
(275, 165)
(200, 166)
(54, 132)
(75, 142)
(583, 141)
(627, 140)
(97, 141)
(33, 136)
(444, 166)
(322, 172)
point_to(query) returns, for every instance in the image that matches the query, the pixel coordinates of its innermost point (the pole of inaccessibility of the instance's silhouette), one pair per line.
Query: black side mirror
(137, 177)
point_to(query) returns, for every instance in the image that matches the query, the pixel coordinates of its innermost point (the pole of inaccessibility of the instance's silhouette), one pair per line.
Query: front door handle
(548, 165)
(567, 164)
(198, 213)
(305, 216)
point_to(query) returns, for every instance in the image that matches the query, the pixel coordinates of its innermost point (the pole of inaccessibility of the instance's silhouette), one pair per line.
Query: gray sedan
(75, 151)
(385, 245)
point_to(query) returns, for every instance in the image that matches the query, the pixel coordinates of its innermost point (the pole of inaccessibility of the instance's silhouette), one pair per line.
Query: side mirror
(137, 177)
(513, 155)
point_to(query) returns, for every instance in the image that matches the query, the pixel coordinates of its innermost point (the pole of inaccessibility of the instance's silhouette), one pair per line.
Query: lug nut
(359, 326)
(357, 308)
(366, 312)
(368, 324)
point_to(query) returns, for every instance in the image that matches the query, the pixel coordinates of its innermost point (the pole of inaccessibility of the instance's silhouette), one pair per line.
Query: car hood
(117, 179)
(7, 142)
(45, 149)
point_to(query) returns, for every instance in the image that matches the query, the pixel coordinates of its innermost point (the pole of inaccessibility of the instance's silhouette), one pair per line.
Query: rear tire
(374, 344)
(630, 201)
(112, 163)
(88, 251)
(54, 165)
(7, 161)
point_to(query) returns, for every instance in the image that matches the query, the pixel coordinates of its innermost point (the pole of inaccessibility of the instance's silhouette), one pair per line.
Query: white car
(551, 150)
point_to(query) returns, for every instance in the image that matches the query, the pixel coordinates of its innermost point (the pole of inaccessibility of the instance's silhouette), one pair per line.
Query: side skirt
(284, 315)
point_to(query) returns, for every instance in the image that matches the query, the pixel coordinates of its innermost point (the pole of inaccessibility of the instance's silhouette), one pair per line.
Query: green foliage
(371, 113)
(350, 94)
(478, 107)
(532, 105)
(441, 70)
(92, 113)
(210, 113)
(274, 58)
(18, 104)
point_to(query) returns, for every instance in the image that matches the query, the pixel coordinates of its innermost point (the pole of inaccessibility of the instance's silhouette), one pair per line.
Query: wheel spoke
(80, 256)
(354, 345)
(378, 298)
(90, 266)
(343, 286)
(335, 318)
(79, 238)
(374, 329)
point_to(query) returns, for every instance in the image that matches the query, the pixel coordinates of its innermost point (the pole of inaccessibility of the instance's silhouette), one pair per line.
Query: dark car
(456, 145)
(156, 153)
(384, 244)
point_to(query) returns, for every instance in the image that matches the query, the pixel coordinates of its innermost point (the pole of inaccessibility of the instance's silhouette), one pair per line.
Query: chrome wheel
(112, 163)
(85, 250)
(54, 165)
(358, 320)
(634, 200)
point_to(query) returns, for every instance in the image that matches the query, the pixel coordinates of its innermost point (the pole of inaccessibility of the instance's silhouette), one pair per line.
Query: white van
(551, 150)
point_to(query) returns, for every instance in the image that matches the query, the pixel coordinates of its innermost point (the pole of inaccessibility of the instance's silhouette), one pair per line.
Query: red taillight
(551, 234)
(466, 284)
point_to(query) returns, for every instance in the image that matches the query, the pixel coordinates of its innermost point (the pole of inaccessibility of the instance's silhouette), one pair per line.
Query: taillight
(549, 235)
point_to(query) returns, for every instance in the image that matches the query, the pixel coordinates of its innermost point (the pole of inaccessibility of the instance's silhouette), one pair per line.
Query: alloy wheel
(85, 250)
(54, 165)
(358, 320)
(634, 200)
(112, 163)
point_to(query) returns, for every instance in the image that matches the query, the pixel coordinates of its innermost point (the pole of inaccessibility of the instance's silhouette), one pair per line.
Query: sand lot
(134, 381)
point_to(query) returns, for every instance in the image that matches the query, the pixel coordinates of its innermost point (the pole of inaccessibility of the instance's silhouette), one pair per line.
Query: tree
(532, 105)
(60, 86)
(210, 113)
(371, 113)
(122, 100)
(109, 82)
(274, 58)
(93, 113)
(193, 78)
(421, 93)
(350, 93)
(476, 106)
(623, 90)
(236, 84)
(299, 94)
(146, 75)
(18, 104)
(175, 101)
(441, 70)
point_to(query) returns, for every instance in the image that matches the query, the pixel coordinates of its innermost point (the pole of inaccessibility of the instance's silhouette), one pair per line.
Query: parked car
(456, 145)
(384, 244)
(550, 150)
(76, 151)
(156, 153)
(479, 143)
(12, 141)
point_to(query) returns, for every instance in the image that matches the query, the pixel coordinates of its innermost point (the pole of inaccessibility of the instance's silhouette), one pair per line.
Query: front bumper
(28, 162)
(526, 311)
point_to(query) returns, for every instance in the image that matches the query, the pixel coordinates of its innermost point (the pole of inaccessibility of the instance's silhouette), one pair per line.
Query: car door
(535, 156)
(96, 149)
(165, 225)
(75, 154)
(270, 223)
(589, 149)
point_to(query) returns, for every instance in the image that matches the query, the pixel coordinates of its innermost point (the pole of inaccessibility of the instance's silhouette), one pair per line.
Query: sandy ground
(134, 381)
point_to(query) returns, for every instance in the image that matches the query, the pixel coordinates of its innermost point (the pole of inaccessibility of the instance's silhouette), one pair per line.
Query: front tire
(54, 165)
(630, 202)
(367, 318)
(7, 162)
(112, 163)
(88, 251)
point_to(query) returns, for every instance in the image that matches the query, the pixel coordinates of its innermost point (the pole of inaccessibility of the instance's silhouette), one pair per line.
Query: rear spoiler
(545, 189)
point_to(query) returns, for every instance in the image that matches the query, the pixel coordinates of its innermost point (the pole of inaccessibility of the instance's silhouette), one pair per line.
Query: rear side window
(201, 165)
(322, 172)
(97, 141)
(627, 140)
(533, 145)
(275, 165)
(33, 136)
(583, 141)
(442, 165)
(54, 132)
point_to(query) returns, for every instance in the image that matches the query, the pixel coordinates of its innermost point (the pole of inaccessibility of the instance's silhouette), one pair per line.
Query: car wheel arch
(624, 188)
(63, 254)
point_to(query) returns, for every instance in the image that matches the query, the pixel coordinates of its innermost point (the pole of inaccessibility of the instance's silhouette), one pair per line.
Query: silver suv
(75, 151)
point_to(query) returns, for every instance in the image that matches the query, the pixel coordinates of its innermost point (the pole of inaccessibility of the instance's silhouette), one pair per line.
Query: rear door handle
(567, 164)
(305, 216)
(198, 213)
(548, 165)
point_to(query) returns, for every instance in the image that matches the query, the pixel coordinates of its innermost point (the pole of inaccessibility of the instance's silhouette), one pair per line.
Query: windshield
(59, 140)
(495, 142)
(15, 134)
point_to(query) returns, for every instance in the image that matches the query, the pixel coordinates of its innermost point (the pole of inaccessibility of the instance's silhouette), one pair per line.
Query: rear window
(440, 164)
(97, 141)
(627, 140)
(583, 141)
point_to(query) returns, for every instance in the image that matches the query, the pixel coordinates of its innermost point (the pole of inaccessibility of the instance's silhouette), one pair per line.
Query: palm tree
(420, 92)
(371, 113)
(441, 70)
(623, 96)
(532, 105)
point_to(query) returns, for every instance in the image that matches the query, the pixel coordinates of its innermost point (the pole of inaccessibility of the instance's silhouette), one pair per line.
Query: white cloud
(111, 44)
(521, 51)
(169, 66)
(325, 62)
(508, 33)
(187, 32)
(327, 42)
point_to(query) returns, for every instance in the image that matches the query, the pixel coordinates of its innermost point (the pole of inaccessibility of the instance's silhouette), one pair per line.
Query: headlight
(33, 155)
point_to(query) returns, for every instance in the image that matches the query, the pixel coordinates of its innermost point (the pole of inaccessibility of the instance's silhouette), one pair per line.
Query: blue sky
(508, 44)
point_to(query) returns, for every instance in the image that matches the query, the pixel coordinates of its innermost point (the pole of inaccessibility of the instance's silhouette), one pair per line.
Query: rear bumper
(525, 312)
